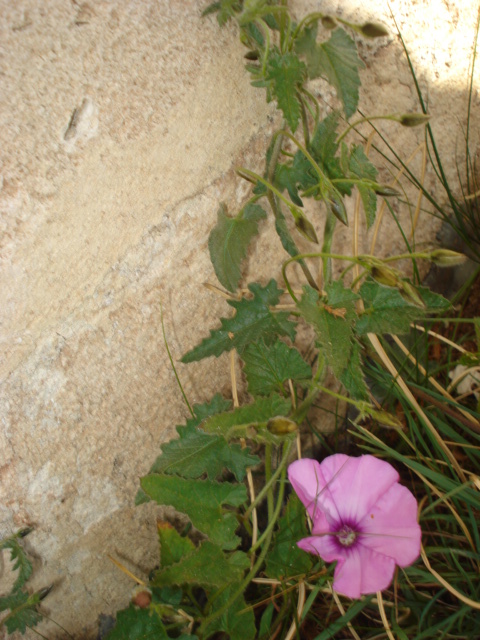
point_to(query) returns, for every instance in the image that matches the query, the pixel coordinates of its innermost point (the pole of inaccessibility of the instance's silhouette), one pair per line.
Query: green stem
(261, 494)
(259, 562)
(266, 34)
(364, 119)
(275, 512)
(173, 364)
(330, 223)
(302, 256)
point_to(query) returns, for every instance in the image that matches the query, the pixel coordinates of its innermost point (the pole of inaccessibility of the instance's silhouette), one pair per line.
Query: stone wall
(121, 123)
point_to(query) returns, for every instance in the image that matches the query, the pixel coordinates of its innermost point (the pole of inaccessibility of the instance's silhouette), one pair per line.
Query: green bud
(410, 294)
(447, 258)
(328, 22)
(281, 426)
(386, 419)
(305, 227)
(384, 190)
(43, 593)
(413, 119)
(338, 209)
(373, 30)
(385, 275)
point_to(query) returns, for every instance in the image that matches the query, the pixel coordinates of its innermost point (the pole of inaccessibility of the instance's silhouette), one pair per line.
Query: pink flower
(361, 517)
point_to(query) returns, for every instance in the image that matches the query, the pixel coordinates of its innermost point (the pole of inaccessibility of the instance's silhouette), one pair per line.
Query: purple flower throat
(346, 534)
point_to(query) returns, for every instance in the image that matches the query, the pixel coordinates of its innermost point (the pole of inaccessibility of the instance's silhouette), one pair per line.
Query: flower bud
(281, 426)
(373, 30)
(43, 593)
(447, 258)
(338, 209)
(305, 227)
(413, 119)
(328, 22)
(385, 190)
(384, 275)
(386, 419)
(410, 294)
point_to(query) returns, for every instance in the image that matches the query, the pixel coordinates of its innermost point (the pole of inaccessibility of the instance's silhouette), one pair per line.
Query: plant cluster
(234, 568)
(242, 574)
(20, 605)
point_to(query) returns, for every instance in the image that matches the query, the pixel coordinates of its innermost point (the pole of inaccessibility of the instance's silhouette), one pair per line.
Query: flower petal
(309, 483)
(359, 570)
(363, 571)
(356, 484)
(391, 526)
(324, 546)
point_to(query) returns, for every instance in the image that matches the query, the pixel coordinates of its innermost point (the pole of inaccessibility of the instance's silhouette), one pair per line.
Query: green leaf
(285, 559)
(201, 412)
(268, 367)
(197, 453)
(225, 9)
(206, 566)
(173, 546)
(202, 501)
(20, 561)
(361, 167)
(266, 621)
(217, 404)
(238, 621)
(386, 311)
(257, 413)
(286, 73)
(138, 624)
(333, 320)
(324, 146)
(229, 240)
(23, 611)
(254, 320)
(335, 60)
(352, 377)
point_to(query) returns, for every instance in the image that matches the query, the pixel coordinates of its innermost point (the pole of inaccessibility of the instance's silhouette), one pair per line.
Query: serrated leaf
(201, 411)
(352, 377)
(324, 144)
(268, 367)
(286, 73)
(173, 546)
(238, 621)
(206, 566)
(285, 559)
(333, 320)
(23, 611)
(197, 453)
(225, 10)
(361, 167)
(258, 412)
(202, 501)
(229, 240)
(20, 560)
(253, 321)
(306, 45)
(337, 61)
(138, 624)
(386, 311)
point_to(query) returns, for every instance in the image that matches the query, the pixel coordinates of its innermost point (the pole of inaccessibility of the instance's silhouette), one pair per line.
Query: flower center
(346, 536)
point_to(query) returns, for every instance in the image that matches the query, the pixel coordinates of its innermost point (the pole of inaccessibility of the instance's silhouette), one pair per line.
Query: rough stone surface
(121, 123)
